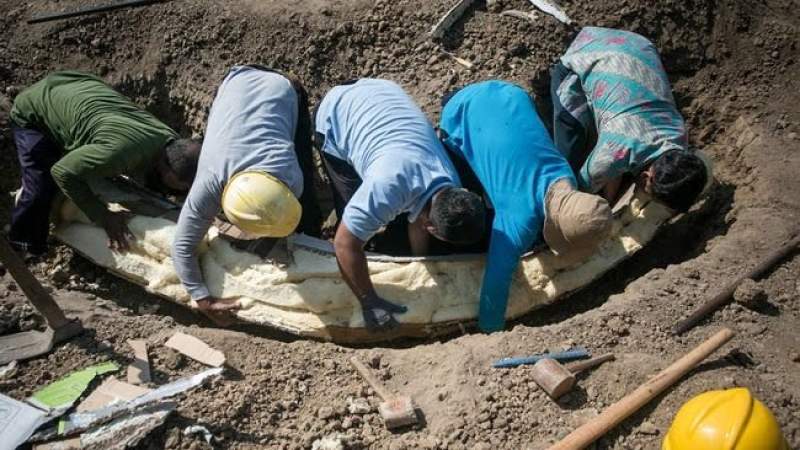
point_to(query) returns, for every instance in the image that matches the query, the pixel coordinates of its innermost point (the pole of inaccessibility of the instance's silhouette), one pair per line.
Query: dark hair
(458, 215)
(182, 156)
(678, 179)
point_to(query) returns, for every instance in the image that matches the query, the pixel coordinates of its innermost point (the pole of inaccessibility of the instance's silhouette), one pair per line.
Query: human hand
(116, 226)
(379, 313)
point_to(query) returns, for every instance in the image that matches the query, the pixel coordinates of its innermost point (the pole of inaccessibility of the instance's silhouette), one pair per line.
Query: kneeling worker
(255, 166)
(614, 115)
(494, 128)
(384, 160)
(70, 128)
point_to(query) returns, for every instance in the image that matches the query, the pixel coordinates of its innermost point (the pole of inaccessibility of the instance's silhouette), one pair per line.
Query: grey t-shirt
(251, 127)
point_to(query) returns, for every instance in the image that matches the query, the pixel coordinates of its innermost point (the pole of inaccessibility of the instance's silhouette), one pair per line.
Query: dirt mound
(733, 64)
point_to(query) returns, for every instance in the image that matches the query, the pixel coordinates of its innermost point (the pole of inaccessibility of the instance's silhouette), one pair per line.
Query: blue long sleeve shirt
(494, 127)
(377, 128)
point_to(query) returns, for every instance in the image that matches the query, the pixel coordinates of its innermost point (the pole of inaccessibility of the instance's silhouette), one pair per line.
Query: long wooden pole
(35, 292)
(621, 410)
(724, 296)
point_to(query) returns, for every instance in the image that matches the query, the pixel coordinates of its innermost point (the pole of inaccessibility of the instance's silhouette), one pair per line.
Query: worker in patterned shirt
(614, 117)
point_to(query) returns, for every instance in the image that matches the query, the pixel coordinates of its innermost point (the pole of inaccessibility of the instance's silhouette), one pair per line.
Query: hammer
(396, 410)
(556, 380)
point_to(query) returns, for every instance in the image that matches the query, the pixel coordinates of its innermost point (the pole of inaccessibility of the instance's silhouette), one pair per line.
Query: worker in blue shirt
(387, 165)
(494, 128)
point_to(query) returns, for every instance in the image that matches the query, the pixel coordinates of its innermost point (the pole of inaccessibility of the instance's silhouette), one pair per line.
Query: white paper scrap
(18, 421)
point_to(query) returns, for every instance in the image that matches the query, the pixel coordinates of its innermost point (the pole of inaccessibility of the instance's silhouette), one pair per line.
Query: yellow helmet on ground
(724, 420)
(259, 203)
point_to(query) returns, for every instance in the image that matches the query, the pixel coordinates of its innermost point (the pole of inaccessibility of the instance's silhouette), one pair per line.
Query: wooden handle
(619, 411)
(590, 363)
(43, 302)
(725, 294)
(371, 380)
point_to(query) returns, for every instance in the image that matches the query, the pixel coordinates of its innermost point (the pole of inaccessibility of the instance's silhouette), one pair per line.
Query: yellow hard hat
(724, 420)
(259, 203)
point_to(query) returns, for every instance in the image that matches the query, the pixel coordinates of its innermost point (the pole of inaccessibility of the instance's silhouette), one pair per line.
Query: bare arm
(352, 262)
(419, 238)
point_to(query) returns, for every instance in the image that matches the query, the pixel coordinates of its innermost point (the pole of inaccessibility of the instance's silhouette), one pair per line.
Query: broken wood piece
(139, 369)
(110, 391)
(553, 9)
(68, 444)
(529, 16)
(449, 18)
(462, 61)
(196, 349)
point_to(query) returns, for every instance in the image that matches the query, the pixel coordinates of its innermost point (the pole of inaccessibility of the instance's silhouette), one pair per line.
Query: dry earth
(734, 66)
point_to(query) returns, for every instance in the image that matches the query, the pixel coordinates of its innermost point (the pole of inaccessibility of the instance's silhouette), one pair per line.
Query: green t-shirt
(102, 132)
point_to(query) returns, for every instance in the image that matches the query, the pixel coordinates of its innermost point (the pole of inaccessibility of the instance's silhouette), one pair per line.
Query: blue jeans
(30, 217)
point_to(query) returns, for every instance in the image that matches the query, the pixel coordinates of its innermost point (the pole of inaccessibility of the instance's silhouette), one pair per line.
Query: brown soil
(734, 66)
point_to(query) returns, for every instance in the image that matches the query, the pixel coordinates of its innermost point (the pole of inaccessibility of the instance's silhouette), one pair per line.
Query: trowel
(29, 344)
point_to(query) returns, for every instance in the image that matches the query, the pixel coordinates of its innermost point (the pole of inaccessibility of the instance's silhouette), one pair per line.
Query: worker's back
(75, 109)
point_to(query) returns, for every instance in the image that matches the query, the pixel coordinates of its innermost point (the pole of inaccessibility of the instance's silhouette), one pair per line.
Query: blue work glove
(378, 313)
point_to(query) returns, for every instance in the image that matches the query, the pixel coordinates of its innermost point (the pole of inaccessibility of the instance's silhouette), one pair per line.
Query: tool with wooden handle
(28, 344)
(556, 379)
(580, 366)
(396, 410)
(724, 296)
(621, 410)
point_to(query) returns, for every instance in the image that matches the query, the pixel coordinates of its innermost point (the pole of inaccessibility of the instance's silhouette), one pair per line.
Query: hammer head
(398, 412)
(553, 378)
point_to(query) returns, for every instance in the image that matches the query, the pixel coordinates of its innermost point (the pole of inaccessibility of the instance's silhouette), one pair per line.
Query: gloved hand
(378, 313)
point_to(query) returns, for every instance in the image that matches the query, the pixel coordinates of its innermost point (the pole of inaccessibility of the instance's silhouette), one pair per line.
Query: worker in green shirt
(70, 128)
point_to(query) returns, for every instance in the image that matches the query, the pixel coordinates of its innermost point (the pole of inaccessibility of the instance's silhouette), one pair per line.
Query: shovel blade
(26, 345)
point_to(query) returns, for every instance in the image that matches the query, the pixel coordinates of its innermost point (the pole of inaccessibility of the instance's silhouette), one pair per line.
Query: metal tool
(585, 435)
(92, 10)
(396, 410)
(724, 296)
(556, 379)
(569, 355)
(28, 344)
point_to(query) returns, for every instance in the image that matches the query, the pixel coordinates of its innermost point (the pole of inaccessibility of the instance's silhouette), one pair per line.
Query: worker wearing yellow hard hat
(255, 166)
(261, 204)
(725, 420)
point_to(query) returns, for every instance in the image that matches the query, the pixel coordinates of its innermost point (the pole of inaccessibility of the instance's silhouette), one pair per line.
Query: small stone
(332, 442)
(358, 406)
(792, 136)
(648, 427)
(749, 294)
(375, 360)
(325, 412)
(775, 54)
(795, 356)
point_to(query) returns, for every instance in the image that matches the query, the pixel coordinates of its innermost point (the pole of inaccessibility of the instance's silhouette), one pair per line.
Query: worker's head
(456, 215)
(676, 178)
(175, 169)
(576, 222)
(260, 204)
(724, 420)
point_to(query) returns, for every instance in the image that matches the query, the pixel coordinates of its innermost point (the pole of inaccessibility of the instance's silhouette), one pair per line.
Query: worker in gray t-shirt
(251, 167)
